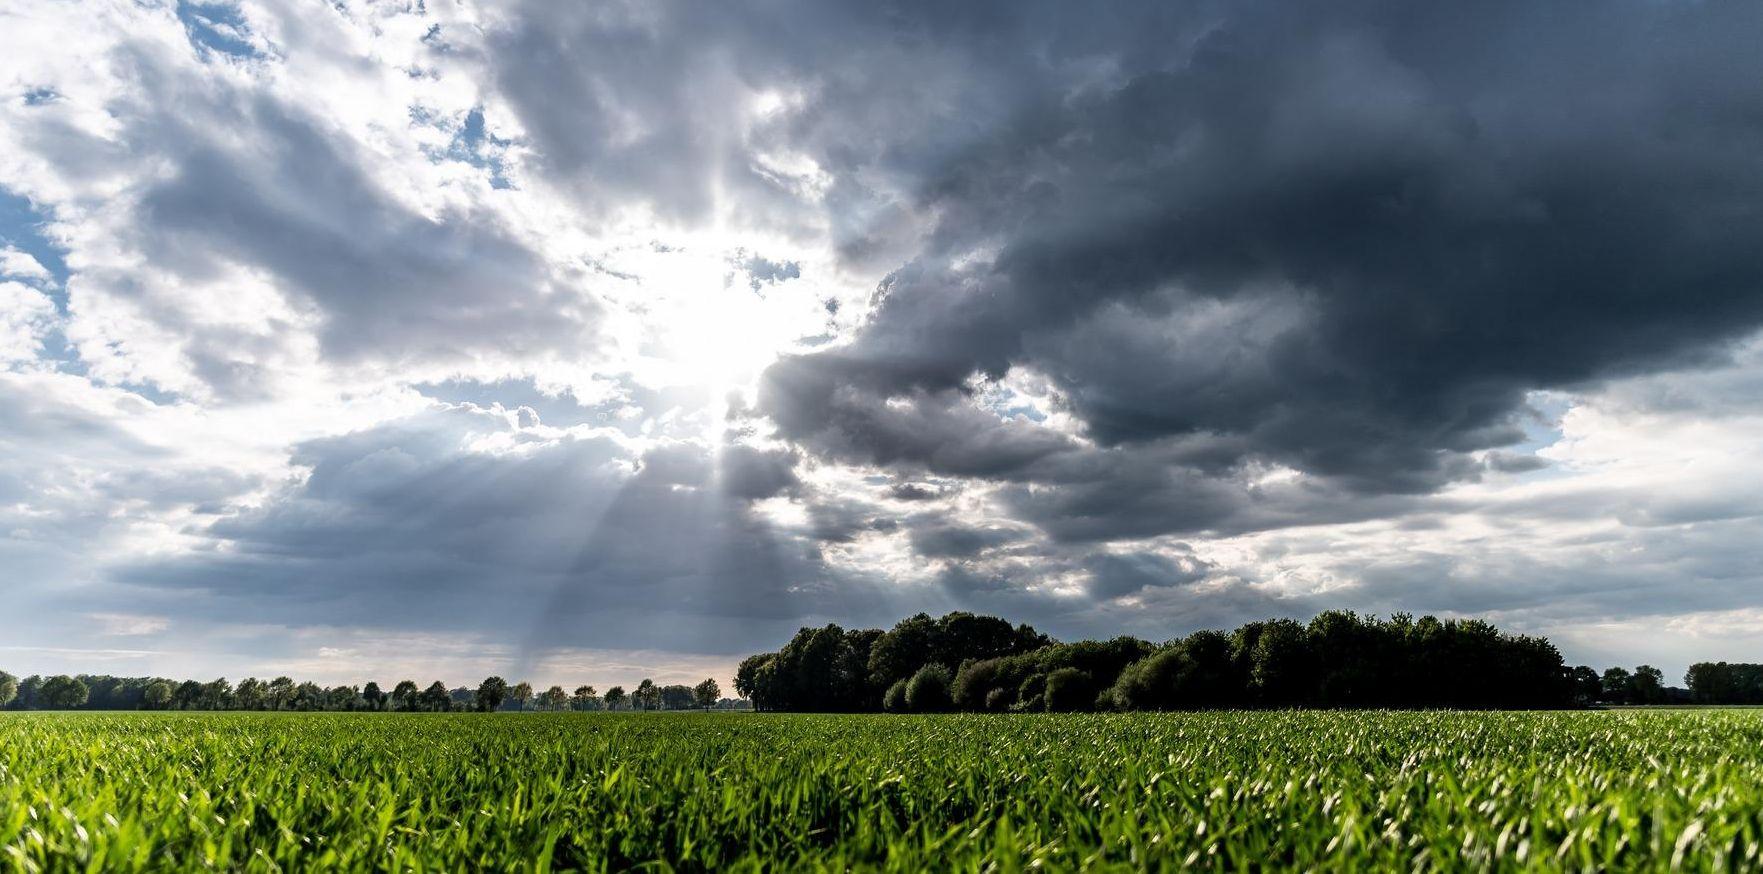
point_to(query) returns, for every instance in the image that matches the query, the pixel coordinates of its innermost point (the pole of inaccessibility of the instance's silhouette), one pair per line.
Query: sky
(586, 342)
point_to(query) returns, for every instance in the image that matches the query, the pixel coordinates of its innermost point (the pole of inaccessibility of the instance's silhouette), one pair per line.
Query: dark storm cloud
(1340, 238)
(1112, 576)
(749, 473)
(938, 536)
(913, 492)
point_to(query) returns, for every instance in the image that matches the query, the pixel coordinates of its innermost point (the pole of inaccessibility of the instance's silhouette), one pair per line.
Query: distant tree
(64, 693)
(371, 694)
(707, 693)
(1588, 687)
(216, 695)
(553, 699)
(1069, 689)
(1648, 684)
(1725, 683)
(894, 700)
(435, 698)
(647, 696)
(307, 696)
(8, 688)
(250, 694)
(755, 680)
(404, 695)
(1618, 686)
(521, 694)
(950, 640)
(491, 693)
(584, 698)
(677, 696)
(187, 694)
(614, 698)
(281, 693)
(1277, 662)
(1192, 674)
(157, 695)
(341, 698)
(928, 690)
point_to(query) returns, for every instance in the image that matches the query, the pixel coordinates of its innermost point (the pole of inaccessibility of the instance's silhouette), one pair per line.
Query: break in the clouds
(603, 339)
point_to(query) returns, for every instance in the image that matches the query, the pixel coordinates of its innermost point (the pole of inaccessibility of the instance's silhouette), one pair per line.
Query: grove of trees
(1725, 683)
(1338, 659)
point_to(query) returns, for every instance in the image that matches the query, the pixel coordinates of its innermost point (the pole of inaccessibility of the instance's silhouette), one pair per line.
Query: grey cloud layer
(579, 535)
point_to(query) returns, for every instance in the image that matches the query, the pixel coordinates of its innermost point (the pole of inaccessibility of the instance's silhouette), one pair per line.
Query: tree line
(1339, 659)
(103, 692)
(1725, 683)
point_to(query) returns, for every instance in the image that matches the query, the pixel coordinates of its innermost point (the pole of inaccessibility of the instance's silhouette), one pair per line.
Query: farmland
(1624, 790)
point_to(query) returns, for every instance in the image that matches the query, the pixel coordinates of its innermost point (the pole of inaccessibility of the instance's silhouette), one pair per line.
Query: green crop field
(1629, 790)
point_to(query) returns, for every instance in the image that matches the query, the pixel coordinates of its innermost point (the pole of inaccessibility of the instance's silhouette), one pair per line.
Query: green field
(1128, 791)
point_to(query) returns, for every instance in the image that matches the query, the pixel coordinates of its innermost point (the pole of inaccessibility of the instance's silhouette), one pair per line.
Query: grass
(512, 792)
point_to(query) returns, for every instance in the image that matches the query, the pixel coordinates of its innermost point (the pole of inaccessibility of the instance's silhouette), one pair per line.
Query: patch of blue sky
(218, 27)
(1008, 404)
(472, 144)
(1542, 420)
(22, 228)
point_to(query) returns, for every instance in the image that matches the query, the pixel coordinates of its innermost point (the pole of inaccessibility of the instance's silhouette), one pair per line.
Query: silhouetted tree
(1725, 683)
(1338, 659)
(404, 695)
(647, 695)
(707, 693)
(436, 699)
(490, 694)
(1648, 685)
(1069, 689)
(928, 690)
(614, 698)
(1588, 687)
(755, 680)
(677, 697)
(375, 698)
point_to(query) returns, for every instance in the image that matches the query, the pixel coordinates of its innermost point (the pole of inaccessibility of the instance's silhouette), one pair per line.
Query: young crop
(504, 792)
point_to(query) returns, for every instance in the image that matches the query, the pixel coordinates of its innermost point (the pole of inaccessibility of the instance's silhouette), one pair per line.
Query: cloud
(467, 519)
(1344, 242)
(26, 316)
(128, 624)
(16, 264)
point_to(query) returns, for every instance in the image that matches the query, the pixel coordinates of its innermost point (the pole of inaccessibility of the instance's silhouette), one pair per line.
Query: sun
(710, 328)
